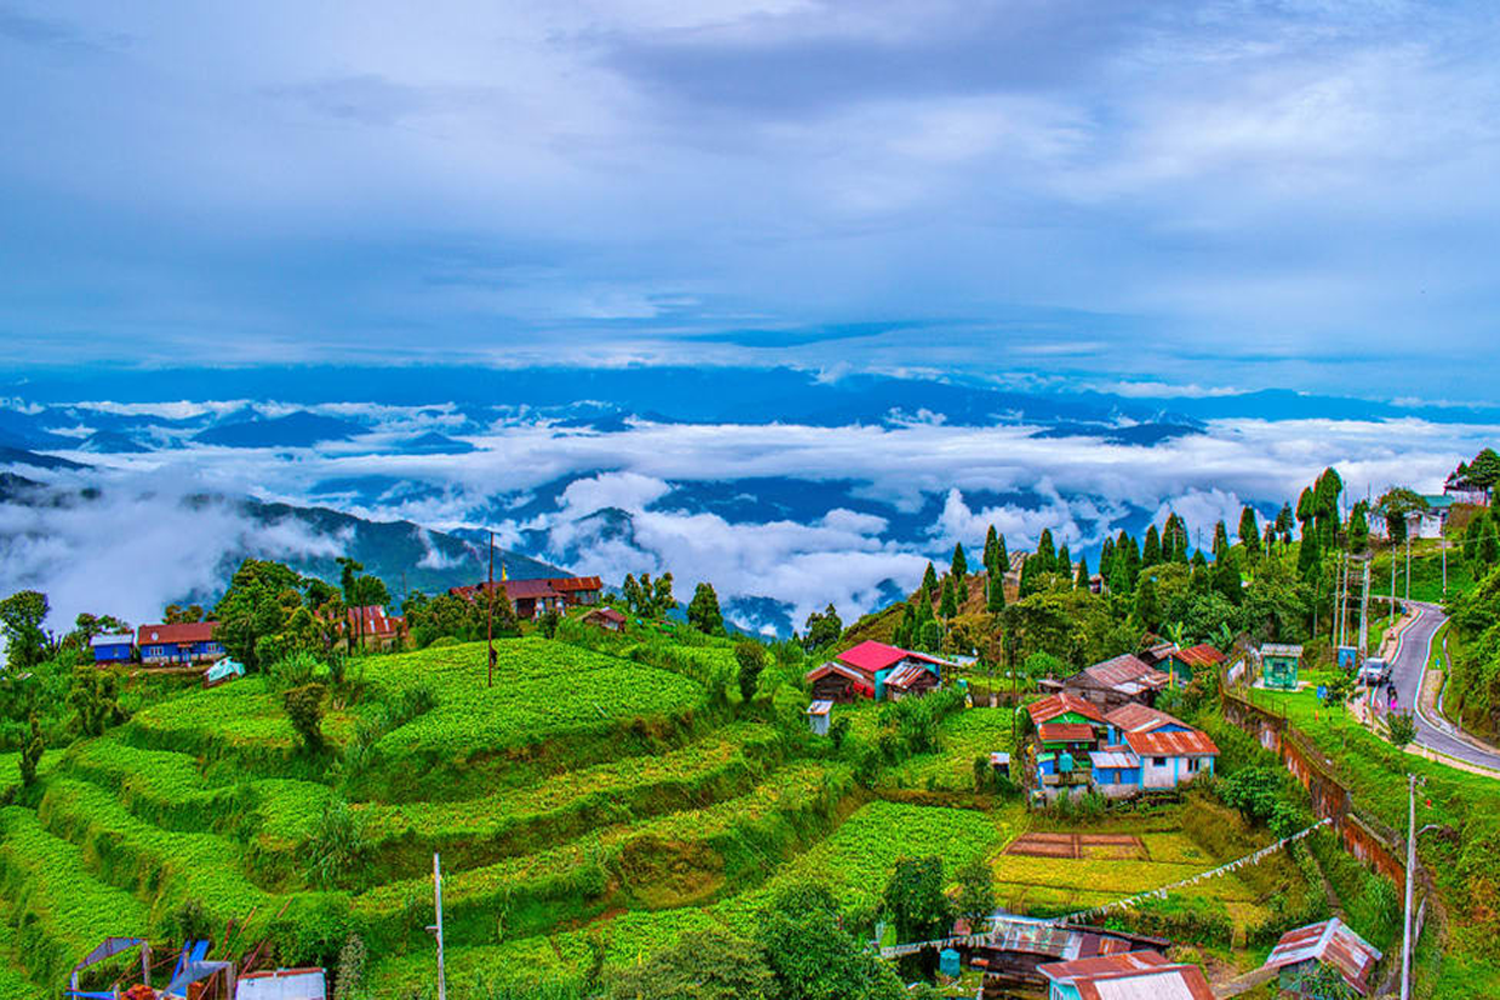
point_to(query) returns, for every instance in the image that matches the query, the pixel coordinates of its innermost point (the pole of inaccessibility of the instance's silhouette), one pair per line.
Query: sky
(1204, 196)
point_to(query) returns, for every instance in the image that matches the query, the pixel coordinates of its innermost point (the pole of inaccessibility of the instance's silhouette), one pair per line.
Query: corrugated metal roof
(1066, 732)
(1126, 669)
(1201, 655)
(113, 640)
(182, 632)
(871, 656)
(1136, 717)
(1170, 982)
(1191, 743)
(1061, 704)
(820, 708)
(830, 667)
(1130, 961)
(905, 676)
(1279, 649)
(1330, 941)
(1114, 758)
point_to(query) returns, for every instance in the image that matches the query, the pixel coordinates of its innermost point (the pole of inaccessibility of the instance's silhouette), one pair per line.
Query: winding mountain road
(1408, 667)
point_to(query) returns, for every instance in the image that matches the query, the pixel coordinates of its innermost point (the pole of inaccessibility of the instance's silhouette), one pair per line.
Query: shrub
(192, 921)
(337, 846)
(351, 969)
(1401, 727)
(752, 660)
(304, 706)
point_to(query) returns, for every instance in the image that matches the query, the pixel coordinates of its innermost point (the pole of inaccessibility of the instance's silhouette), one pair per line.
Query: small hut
(818, 714)
(1279, 665)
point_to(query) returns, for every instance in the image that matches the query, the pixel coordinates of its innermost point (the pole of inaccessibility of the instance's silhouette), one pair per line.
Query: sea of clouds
(146, 540)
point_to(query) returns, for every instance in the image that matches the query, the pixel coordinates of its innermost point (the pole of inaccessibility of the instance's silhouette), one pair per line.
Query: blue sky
(1219, 194)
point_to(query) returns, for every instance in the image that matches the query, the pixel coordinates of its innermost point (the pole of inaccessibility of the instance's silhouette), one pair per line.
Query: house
(1020, 946)
(1278, 665)
(1067, 730)
(181, 643)
(112, 648)
(1331, 942)
(1146, 748)
(373, 629)
(1125, 977)
(835, 682)
(1170, 758)
(1183, 664)
(608, 619)
(818, 714)
(876, 670)
(1116, 682)
(530, 598)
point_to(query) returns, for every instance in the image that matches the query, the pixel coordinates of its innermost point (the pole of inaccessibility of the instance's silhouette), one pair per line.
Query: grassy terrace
(588, 793)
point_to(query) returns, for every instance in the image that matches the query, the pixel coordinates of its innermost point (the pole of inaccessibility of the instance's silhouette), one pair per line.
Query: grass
(966, 735)
(61, 910)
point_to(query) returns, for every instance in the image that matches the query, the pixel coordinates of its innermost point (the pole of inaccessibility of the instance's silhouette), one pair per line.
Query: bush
(304, 705)
(1401, 728)
(751, 657)
(337, 847)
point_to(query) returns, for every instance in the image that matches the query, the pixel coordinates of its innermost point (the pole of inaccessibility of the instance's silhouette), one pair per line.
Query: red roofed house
(181, 643)
(1299, 952)
(608, 619)
(1184, 664)
(876, 670)
(372, 628)
(1132, 976)
(1067, 730)
(529, 598)
(1117, 682)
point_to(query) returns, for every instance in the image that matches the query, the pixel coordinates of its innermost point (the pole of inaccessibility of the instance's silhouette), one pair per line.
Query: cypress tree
(1064, 563)
(1226, 580)
(1107, 560)
(1147, 608)
(959, 567)
(1221, 541)
(991, 547)
(1045, 553)
(929, 583)
(1081, 581)
(948, 607)
(1151, 549)
(1359, 528)
(1174, 540)
(1284, 522)
(994, 590)
(1002, 557)
(1028, 576)
(1132, 561)
(1249, 532)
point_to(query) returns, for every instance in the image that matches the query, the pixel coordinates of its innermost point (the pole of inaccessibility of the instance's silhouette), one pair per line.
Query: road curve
(1408, 666)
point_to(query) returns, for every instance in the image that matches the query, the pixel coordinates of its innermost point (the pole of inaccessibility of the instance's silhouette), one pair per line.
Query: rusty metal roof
(1166, 982)
(1061, 704)
(1066, 732)
(1330, 941)
(1130, 961)
(1125, 671)
(1136, 718)
(1191, 743)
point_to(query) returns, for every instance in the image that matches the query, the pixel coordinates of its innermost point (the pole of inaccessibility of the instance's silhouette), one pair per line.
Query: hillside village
(1178, 774)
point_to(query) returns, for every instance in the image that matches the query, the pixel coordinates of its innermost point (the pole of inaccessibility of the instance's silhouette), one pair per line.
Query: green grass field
(592, 792)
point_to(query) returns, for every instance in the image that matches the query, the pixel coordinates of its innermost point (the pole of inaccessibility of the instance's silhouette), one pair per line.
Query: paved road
(1407, 667)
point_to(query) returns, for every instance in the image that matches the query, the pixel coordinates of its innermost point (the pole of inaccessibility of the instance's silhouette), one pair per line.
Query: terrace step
(58, 907)
(475, 832)
(161, 869)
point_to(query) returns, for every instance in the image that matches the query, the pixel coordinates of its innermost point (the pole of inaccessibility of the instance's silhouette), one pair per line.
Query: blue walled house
(179, 644)
(113, 648)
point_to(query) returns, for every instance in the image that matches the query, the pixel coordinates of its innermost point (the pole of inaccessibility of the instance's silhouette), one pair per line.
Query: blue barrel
(948, 963)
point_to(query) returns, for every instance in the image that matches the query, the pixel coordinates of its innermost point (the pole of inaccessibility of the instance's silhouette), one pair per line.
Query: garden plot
(1094, 846)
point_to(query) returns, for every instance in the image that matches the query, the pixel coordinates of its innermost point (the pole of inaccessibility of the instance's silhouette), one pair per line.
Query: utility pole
(1445, 567)
(437, 928)
(1393, 575)
(1407, 944)
(1408, 567)
(489, 620)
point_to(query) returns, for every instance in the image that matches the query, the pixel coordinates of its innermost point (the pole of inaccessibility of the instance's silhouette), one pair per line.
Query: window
(1158, 762)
